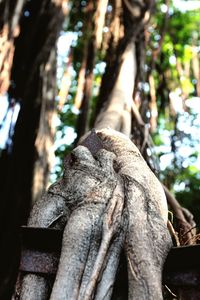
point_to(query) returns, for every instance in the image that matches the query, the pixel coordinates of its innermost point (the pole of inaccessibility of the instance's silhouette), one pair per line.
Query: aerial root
(111, 224)
(186, 225)
(91, 250)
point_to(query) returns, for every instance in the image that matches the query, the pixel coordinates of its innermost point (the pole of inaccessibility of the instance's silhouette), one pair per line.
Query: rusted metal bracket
(182, 271)
(41, 251)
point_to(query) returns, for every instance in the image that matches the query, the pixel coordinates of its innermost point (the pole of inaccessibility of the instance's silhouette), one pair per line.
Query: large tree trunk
(33, 86)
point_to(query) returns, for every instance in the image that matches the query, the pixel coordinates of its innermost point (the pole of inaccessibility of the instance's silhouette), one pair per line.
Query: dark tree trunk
(33, 73)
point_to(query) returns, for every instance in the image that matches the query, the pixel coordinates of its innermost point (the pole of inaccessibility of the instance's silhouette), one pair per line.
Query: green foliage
(177, 138)
(158, 140)
(189, 197)
(172, 72)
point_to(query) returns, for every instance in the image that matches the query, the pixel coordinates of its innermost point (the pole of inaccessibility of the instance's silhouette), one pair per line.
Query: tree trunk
(46, 130)
(109, 202)
(117, 113)
(33, 72)
(94, 42)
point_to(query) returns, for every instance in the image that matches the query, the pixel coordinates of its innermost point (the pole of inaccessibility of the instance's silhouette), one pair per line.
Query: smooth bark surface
(117, 111)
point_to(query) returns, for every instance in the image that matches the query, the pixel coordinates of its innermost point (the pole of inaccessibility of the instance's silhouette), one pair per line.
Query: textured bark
(46, 130)
(105, 203)
(147, 240)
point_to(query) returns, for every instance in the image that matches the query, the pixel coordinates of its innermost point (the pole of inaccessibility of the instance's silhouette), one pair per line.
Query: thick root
(106, 202)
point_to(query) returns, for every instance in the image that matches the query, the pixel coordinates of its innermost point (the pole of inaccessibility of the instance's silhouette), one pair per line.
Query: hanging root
(186, 225)
(173, 233)
(147, 240)
(111, 223)
(85, 251)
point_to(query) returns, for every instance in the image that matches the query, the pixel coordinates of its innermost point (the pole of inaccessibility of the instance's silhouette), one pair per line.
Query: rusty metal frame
(41, 251)
(41, 246)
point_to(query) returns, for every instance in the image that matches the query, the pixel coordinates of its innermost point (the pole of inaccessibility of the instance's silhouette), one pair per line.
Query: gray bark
(104, 203)
(117, 112)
